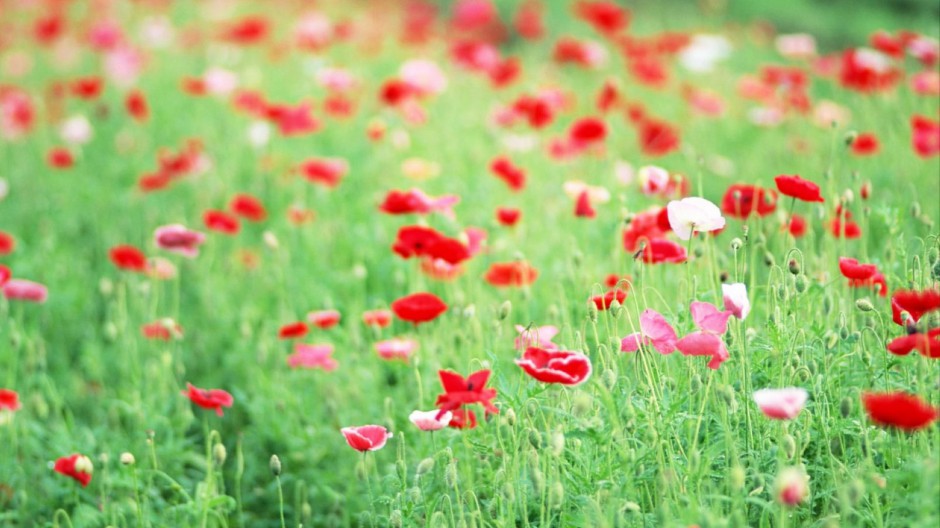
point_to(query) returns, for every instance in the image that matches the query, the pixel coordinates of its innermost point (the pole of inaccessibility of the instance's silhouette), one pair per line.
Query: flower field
(469, 264)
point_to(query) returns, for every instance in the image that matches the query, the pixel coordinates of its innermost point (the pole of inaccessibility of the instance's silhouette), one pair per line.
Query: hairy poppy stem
(280, 500)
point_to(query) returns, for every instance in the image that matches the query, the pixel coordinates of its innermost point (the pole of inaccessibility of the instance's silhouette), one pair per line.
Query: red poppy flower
(645, 226)
(587, 131)
(7, 243)
(851, 269)
(538, 113)
(60, 158)
(49, 28)
(661, 250)
(449, 250)
(796, 187)
(221, 222)
(504, 72)
(927, 344)
(605, 17)
(9, 400)
(511, 274)
(251, 29)
(419, 308)
(87, 87)
(504, 169)
(415, 241)
(914, 303)
(657, 138)
(842, 226)
(865, 144)
(898, 409)
(528, 20)
(248, 207)
(508, 216)
(556, 366)
(213, 399)
(293, 330)
(128, 258)
(603, 302)
(740, 200)
(76, 466)
(876, 280)
(162, 330)
(324, 319)
(377, 318)
(366, 437)
(5, 274)
(864, 74)
(614, 281)
(136, 105)
(324, 171)
(460, 391)
(925, 136)
(797, 226)
(396, 91)
(583, 207)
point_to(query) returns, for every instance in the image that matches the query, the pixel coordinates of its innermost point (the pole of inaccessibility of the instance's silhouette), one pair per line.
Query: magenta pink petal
(660, 332)
(709, 318)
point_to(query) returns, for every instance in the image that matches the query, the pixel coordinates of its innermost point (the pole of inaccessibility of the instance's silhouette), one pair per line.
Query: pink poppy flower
(396, 348)
(556, 366)
(176, 238)
(324, 318)
(540, 336)
(690, 215)
(736, 301)
(24, 290)
(781, 404)
(655, 331)
(312, 357)
(430, 420)
(704, 344)
(366, 437)
(792, 486)
(708, 318)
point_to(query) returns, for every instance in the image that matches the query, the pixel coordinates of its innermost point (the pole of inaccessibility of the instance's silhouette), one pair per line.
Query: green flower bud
(864, 305)
(275, 465)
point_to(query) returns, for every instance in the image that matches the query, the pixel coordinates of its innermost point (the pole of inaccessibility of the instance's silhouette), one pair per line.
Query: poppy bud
(556, 496)
(504, 310)
(915, 209)
(592, 311)
(781, 292)
(631, 507)
(509, 492)
(219, 453)
(789, 446)
(395, 519)
(425, 466)
(761, 240)
(936, 270)
(737, 478)
(609, 377)
(275, 465)
(509, 417)
(723, 277)
(576, 258)
(127, 459)
(850, 137)
(558, 443)
(843, 332)
(270, 240)
(864, 305)
(652, 436)
(768, 259)
(450, 475)
(696, 383)
(538, 480)
(534, 438)
(736, 244)
(614, 309)
(583, 403)
(831, 339)
(865, 190)
(794, 267)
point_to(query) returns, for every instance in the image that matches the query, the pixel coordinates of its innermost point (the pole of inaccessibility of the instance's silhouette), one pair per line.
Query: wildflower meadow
(469, 263)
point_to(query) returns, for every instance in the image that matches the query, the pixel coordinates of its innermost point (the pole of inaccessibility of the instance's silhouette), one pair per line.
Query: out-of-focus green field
(648, 440)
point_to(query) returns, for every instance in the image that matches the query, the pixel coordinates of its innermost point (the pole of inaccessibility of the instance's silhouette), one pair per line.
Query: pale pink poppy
(324, 318)
(423, 75)
(312, 356)
(655, 331)
(653, 179)
(430, 420)
(796, 45)
(76, 130)
(366, 437)
(24, 290)
(161, 268)
(336, 79)
(781, 404)
(220, 81)
(474, 237)
(792, 486)
(313, 31)
(123, 66)
(694, 214)
(736, 301)
(926, 83)
(177, 238)
(396, 348)
(538, 336)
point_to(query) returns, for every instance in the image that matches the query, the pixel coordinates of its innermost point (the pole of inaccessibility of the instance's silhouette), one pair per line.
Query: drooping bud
(864, 305)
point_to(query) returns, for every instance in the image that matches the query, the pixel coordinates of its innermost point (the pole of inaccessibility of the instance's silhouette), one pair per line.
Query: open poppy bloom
(293, 330)
(899, 409)
(661, 250)
(78, 467)
(324, 319)
(556, 366)
(693, 214)
(177, 239)
(539, 336)
(164, 330)
(396, 348)
(24, 290)
(781, 404)
(603, 302)
(419, 308)
(511, 274)
(128, 258)
(741, 200)
(928, 344)
(654, 331)
(366, 437)
(312, 357)
(796, 187)
(503, 168)
(583, 207)
(914, 303)
(430, 420)
(460, 391)
(248, 207)
(414, 201)
(707, 342)
(221, 222)
(377, 318)
(735, 298)
(9, 400)
(212, 399)
(792, 486)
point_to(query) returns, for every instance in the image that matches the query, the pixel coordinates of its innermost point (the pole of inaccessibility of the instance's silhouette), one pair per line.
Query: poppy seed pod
(275, 465)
